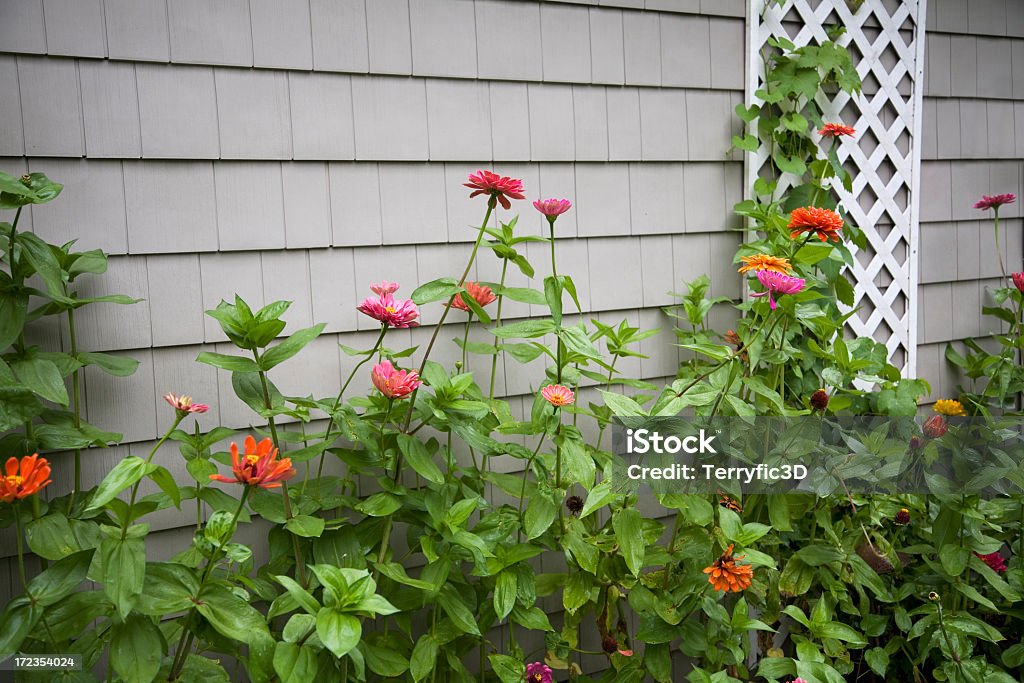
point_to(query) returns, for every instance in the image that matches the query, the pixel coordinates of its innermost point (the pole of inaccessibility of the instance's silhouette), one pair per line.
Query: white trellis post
(887, 38)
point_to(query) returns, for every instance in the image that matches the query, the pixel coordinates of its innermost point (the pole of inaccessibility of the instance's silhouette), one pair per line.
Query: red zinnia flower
(23, 478)
(392, 382)
(834, 130)
(994, 201)
(994, 560)
(825, 223)
(1018, 281)
(498, 187)
(258, 466)
(482, 294)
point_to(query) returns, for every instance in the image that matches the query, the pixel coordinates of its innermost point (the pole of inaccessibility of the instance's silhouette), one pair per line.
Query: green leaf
(232, 616)
(43, 377)
(305, 526)
(119, 366)
(419, 459)
(436, 290)
(41, 257)
(954, 559)
(136, 649)
(540, 513)
(384, 661)
(60, 579)
(53, 537)
(817, 555)
(509, 669)
(844, 290)
(525, 295)
(424, 657)
(839, 631)
(525, 329)
(452, 604)
(125, 474)
(553, 297)
(878, 659)
(627, 524)
(380, 504)
(13, 306)
(747, 143)
(17, 620)
(226, 362)
(163, 478)
(339, 632)
(123, 563)
(294, 663)
(622, 406)
(276, 355)
(505, 591)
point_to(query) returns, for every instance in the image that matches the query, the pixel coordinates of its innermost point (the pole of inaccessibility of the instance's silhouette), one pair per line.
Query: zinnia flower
(825, 223)
(776, 264)
(389, 310)
(777, 283)
(1018, 281)
(482, 294)
(949, 407)
(552, 208)
(819, 400)
(935, 426)
(257, 466)
(184, 405)
(834, 130)
(558, 395)
(727, 576)
(392, 382)
(994, 201)
(538, 673)
(799, 680)
(995, 561)
(497, 187)
(23, 478)
(902, 517)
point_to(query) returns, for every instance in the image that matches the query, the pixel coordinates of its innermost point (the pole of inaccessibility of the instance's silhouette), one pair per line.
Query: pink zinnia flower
(538, 673)
(392, 382)
(482, 294)
(1018, 280)
(184, 404)
(777, 283)
(995, 561)
(558, 395)
(552, 208)
(834, 130)
(994, 201)
(799, 680)
(497, 187)
(389, 310)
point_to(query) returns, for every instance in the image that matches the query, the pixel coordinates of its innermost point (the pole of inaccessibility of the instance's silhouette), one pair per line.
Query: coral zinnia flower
(538, 673)
(834, 130)
(949, 407)
(825, 223)
(389, 310)
(257, 466)
(1018, 281)
(392, 382)
(482, 294)
(935, 426)
(727, 576)
(498, 187)
(22, 479)
(994, 560)
(776, 264)
(777, 283)
(994, 201)
(552, 208)
(558, 395)
(184, 404)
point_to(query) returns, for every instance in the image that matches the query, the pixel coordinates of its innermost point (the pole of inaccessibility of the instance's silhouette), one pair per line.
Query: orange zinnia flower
(258, 466)
(24, 478)
(834, 130)
(776, 264)
(824, 223)
(727, 576)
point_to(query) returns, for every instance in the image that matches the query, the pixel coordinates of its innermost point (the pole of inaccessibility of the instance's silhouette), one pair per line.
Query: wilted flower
(777, 283)
(949, 407)
(552, 208)
(825, 223)
(994, 201)
(727, 576)
(482, 294)
(538, 673)
(392, 382)
(558, 395)
(728, 501)
(935, 426)
(183, 405)
(1018, 281)
(915, 442)
(257, 466)
(776, 264)
(819, 400)
(23, 478)
(834, 130)
(574, 504)
(902, 517)
(497, 187)
(609, 644)
(389, 310)
(995, 561)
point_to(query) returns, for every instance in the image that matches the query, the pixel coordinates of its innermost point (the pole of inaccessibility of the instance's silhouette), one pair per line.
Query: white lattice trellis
(886, 38)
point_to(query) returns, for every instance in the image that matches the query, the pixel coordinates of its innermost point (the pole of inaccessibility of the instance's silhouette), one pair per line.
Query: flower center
(251, 458)
(389, 309)
(14, 480)
(536, 678)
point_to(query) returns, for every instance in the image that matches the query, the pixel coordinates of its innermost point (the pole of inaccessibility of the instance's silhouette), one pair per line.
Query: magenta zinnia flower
(389, 310)
(777, 283)
(392, 382)
(184, 404)
(1018, 280)
(995, 561)
(538, 672)
(552, 208)
(994, 201)
(558, 395)
(497, 187)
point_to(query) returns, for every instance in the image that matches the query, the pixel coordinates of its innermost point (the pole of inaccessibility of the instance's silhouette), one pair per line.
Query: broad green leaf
(452, 604)
(505, 591)
(276, 355)
(540, 513)
(525, 329)
(226, 362)
(60, 579)
(424, 657)
(294, 663)
(136, 649)
(622, 406)
(419, 459)
(119, 366)
(232, 616)
(124, 475)
(627, 524)
(43, 377)
(339, 632)
(306, 526)
(124, 570)
(436, 290)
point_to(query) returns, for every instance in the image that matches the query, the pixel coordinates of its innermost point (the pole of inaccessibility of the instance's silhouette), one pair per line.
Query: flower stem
(76, 404)
(497, 323)
(522, 490)
(999, 250)
(21, 549)
(178, 417)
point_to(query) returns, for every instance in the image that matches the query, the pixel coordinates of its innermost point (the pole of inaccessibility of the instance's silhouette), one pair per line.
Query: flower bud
(935, 426)
(916, 442)
(902, 517)
(574, 504)
(819, 400)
